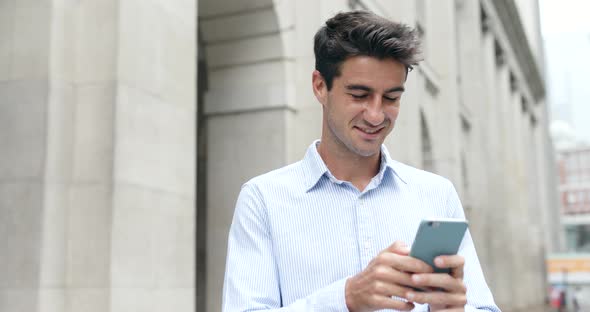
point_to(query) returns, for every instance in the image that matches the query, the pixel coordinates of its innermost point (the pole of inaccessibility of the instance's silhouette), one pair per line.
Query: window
(571, 198)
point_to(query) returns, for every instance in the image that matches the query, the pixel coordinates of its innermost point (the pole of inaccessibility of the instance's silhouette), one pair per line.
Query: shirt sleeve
(479, 296)
(251, 276)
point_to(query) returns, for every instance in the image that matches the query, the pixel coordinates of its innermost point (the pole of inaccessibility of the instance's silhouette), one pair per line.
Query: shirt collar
(316, 168)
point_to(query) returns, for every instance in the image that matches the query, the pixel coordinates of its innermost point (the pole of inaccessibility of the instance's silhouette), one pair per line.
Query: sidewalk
(544, 308)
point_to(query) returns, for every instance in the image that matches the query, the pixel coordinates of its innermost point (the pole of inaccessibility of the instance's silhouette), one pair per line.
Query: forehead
(373, 72)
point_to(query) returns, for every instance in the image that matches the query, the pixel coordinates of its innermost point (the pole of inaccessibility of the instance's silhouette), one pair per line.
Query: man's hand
(451, 292)
(386, 275)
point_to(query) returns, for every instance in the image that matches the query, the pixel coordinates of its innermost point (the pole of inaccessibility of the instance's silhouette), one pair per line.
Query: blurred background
(128, 126)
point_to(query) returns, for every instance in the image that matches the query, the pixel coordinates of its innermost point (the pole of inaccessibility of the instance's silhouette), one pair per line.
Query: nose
(374, 114)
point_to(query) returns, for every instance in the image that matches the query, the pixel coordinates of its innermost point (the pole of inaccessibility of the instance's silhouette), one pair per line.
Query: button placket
(365, 237)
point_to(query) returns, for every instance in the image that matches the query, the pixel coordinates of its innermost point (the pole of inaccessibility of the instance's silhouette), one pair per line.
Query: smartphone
(437, 237)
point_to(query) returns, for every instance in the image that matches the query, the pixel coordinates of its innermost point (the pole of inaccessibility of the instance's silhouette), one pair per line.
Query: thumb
(399, 248)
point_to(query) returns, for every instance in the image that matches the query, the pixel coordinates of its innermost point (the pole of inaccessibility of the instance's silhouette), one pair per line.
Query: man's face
(361, 108)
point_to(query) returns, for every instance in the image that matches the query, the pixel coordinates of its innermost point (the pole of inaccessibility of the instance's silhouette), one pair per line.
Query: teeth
(370, 131)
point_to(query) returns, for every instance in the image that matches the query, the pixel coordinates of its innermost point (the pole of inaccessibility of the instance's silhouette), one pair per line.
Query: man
(575, 299)
(330, 232)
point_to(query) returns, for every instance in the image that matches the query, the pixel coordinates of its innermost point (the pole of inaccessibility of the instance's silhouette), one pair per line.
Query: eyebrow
(365, 88)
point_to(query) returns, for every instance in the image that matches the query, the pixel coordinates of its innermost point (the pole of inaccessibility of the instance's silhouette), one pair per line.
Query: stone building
(120, 169)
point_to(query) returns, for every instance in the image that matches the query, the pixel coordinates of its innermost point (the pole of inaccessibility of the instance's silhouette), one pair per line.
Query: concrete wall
(153, 234)
(98, 184)
(24, 94)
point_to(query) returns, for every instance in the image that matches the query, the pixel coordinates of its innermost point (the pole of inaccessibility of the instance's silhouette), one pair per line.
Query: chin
(367, 152)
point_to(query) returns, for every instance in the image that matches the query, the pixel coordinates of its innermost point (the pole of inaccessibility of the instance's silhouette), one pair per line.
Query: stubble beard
(345, 143)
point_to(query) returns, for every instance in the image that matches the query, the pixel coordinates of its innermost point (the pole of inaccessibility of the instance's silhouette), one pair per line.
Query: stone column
(97, 171)
(24, 94)
(505, 200)
(490, 136)
(405, 142)
(153, 200)
(473, 106)
(246, 110)
(443, 59)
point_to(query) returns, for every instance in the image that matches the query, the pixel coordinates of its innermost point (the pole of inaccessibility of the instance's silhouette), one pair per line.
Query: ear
(320, 89)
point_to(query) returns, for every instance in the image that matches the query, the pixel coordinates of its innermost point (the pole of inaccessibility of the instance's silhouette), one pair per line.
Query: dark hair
(363, 33)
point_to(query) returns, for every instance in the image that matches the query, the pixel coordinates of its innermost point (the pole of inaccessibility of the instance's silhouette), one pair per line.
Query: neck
(348, 166)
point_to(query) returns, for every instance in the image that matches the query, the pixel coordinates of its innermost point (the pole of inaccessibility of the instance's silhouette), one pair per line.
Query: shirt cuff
(331, 298)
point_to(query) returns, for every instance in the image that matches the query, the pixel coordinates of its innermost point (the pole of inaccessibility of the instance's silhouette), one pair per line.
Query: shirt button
(367, 245)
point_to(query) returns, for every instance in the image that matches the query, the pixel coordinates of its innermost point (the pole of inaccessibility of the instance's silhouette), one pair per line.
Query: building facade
(574, 187)
(128, 127)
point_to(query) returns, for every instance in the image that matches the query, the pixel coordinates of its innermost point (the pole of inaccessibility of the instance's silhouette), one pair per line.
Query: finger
(388, 274)
(457, 272)
(438, 298)
(403, 263)
(455, 263)
(441, 281)
(382, 302)
(399, 247)
(398, 283)
(389, 290)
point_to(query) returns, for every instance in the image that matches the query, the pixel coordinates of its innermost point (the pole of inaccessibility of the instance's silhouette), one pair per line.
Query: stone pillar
(473, 106)
(505, 200)
(153, 202)
(246, 110)
(443, 59)
(77, 228)
(24, 94)
(404, 142)
(305, 125)
(490, 135)
(97, 180)
(521, 181)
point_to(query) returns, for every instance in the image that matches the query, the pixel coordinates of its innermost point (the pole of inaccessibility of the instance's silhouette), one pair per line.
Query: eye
(358, 96)
(390, 99)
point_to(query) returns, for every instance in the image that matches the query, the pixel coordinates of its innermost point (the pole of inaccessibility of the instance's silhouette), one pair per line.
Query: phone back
(438, 237)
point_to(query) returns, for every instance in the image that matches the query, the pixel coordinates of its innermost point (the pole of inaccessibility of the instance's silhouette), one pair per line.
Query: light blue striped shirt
(298, 233)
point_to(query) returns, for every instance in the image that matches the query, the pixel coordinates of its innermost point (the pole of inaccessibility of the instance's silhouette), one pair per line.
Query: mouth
(370, 133)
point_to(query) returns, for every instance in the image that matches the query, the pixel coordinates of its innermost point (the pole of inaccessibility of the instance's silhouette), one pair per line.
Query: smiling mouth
(370, 131)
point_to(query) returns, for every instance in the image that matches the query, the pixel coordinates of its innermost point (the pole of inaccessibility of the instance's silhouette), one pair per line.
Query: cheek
(351, 111)
(392, 113)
